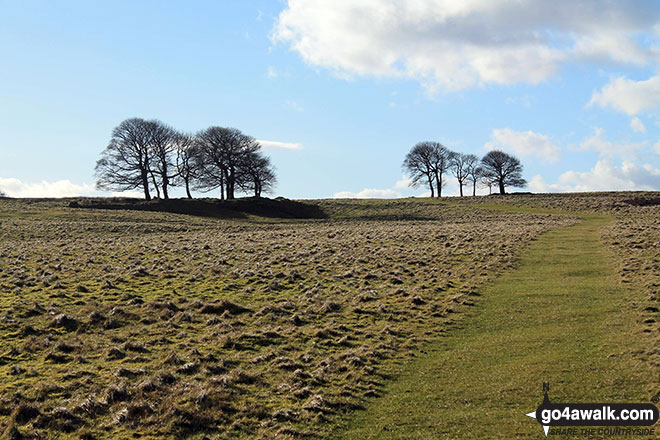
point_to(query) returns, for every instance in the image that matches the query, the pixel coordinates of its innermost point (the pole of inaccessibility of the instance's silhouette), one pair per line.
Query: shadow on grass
(237, 209)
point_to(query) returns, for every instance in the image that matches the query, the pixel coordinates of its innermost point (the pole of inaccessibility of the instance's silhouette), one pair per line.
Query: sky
(337, 91)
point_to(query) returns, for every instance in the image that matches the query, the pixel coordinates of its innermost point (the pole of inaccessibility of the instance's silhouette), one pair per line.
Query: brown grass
(120, 324)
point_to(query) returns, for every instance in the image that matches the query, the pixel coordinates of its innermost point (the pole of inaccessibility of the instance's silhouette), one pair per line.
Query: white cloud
(614, 46)
(454, 44)
(604, 176)
(629, 96)
(637, 125)
(526, 100)
(275, 145)
(403, 183)
(449, 189)
(133, 193)
(606, 148)
(293, 105)
(388, 193)
(271, 72)
(62, 188)
(368, 193)
(537, 185)
(524, 143)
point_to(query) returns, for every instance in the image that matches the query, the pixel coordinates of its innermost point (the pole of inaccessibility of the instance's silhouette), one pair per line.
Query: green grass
(335, 304)
(561, 317)
(374, 299)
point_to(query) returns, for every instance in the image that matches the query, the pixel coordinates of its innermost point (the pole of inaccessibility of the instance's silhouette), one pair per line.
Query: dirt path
(561, 317)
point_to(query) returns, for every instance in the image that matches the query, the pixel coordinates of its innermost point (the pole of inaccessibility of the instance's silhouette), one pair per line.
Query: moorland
(136, 323)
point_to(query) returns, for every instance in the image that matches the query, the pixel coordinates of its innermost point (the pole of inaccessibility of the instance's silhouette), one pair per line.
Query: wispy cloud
(606, 148)
(629, 96)
(526, 100)
(604, 176)
(62, 188)
(481, 41)
(275, 145)
(295, 106)
(524, 143)
(637, 125)
(403, 183)
(368, 193)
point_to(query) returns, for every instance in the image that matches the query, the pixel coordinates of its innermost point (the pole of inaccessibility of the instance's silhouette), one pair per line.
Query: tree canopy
(503, 170)
(427, 162)
(152, 156)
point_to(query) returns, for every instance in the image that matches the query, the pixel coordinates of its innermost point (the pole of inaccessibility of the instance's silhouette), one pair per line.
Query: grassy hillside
(124, 323)
(480, 380)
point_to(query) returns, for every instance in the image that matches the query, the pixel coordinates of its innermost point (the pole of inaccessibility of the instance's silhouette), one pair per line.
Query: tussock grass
(562, 317)
(168, 326)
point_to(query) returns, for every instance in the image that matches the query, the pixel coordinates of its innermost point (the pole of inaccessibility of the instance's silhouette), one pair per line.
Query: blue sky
(348, 87)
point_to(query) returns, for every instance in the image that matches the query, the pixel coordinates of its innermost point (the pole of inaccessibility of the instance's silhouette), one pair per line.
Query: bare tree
(473, 170)
(222, 151)
(3, 195)
(503, 170)
(163, 149)
(441, 160)
(419, 165)
(155, 183)
(153, 156)
(257, 174)
(487, 182)
(460, 164)
(125, 163)
(187, 157)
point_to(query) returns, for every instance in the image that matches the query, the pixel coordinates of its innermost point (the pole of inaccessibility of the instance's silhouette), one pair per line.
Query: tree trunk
(230, 184)
(187, 180)
(145, 185)
(153, 179)
(474, 188)
(222, 185)
(431, 186)
(165, 183)
(228, 179)
(166, 180)
(438, 183)
(501, 183)
(460, 187)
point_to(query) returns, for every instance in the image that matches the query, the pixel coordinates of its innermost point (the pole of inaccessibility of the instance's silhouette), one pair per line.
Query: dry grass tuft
(147, 322)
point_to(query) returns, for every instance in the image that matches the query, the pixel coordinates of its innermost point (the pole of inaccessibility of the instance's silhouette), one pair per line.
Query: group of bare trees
(428, 162)
(152, 156)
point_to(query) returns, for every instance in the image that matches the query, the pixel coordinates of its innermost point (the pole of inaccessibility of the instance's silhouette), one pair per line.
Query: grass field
(561, 318)
(380, 319)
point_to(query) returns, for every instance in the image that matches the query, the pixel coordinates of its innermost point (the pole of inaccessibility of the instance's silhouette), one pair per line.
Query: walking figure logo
(595, 414)
(546, 400)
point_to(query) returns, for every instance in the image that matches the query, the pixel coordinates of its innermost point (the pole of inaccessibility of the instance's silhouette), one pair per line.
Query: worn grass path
(560, 317)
